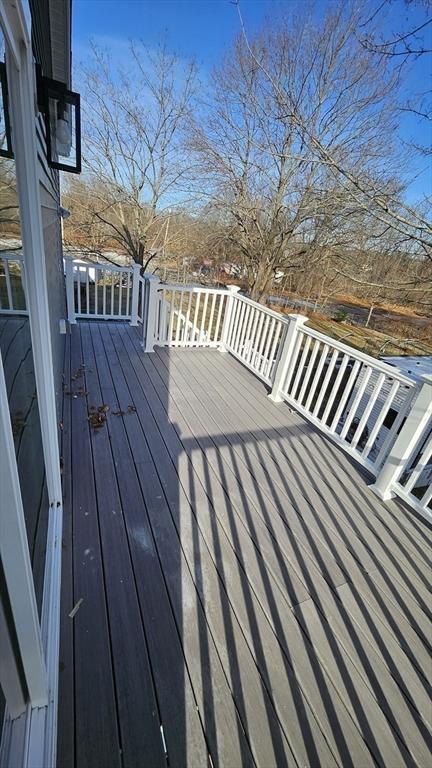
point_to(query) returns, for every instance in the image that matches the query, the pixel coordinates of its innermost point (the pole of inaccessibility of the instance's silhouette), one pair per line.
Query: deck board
(250, 595)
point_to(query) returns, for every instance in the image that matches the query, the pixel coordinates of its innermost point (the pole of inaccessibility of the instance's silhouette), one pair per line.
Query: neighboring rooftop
(415, 366)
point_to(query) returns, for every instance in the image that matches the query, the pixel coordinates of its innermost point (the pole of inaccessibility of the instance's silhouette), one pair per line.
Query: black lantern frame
(55, 90)
(47, 90)
(5, 151)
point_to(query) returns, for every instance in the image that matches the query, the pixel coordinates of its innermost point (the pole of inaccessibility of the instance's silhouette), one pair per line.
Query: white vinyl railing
(184, 316)
(347, 394)
(12, 287)
(254, 335)
(414, 483)
(379, 416)
(101, 291)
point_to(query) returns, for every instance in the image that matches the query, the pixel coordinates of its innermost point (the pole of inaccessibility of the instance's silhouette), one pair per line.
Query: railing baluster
(368, 410)
(203, 319)
(334, 390)
(309, 371)
(171, 316)
(70, 290)
(326, 382)
(286, 385)
(87, 271)
(381, 417)
(265, 360)
(128, 308)
(120, 294)
(232, 330)
(244, 331)
(185, 335)
(96, 299)
(262, 341)
(316, 378)
(104, 295)
(179, 317)
(357, 399)
(112, 294)
(8, 284)
(306, 345)
(426, 452)
(212, 309)
(252, 334)
(137, 295)
(247, 337)
(345, 395)
(219, 316)
(426, 498)
(276, 339)
(239, 322)
(78, 273)
(194, 331)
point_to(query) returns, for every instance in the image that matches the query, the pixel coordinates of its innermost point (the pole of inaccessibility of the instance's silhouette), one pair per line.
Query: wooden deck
(241, 596)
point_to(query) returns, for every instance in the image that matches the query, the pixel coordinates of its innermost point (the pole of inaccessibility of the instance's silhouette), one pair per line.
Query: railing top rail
(191, 288)
(8, 256)
(278, 315)
(378, 365)
(97, 265)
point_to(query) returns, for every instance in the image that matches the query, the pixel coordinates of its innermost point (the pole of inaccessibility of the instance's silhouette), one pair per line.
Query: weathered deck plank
(178, 707)
(278, 616)
(96, 725)
(386, 682)
(326, 494)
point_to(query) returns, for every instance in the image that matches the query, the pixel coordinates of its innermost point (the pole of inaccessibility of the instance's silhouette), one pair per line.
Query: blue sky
(204, 29)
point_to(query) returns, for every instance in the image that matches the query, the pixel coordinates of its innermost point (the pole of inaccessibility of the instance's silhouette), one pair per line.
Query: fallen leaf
(76, 607)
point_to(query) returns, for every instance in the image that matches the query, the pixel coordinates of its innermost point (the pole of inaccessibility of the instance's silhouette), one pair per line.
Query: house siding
(51, 222)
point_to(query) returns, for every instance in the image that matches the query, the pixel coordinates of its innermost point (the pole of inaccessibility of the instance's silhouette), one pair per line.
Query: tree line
(286, 160)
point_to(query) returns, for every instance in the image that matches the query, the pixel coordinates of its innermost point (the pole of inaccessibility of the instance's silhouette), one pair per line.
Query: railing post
(284, 358)
(152, 308)
(70, 296)
(136, 269)
(406, 440)
(232, 291)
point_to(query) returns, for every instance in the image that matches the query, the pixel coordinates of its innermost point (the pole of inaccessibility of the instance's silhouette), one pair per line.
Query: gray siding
(50, 197)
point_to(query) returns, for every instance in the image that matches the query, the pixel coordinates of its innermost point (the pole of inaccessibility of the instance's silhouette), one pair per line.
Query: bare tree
(133, 156)
(297, 141)
(410, 41)
(9, 209)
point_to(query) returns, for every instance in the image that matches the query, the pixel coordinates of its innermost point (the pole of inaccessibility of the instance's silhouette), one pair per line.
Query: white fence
(12, 285)
(379, 416)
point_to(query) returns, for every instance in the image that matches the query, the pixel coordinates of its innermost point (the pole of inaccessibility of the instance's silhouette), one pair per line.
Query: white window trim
(31, 739)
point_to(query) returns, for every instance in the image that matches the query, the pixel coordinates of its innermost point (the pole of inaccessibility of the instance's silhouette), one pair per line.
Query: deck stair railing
(379, 416)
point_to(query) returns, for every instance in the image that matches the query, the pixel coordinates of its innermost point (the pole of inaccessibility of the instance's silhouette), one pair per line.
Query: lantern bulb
(63, 137)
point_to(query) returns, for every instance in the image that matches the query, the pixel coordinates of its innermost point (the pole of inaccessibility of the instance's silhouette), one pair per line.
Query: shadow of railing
(239, 547)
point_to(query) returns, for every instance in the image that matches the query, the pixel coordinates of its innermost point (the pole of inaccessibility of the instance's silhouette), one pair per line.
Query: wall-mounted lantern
(61, 109)
(5, 132)
(62, 114)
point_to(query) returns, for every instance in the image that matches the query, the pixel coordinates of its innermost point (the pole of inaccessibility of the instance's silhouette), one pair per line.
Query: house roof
(415, 366)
